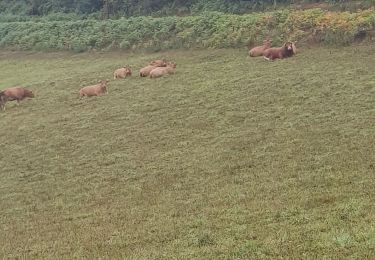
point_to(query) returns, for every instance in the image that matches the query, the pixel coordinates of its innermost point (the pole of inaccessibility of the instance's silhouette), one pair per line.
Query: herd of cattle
(154, 69)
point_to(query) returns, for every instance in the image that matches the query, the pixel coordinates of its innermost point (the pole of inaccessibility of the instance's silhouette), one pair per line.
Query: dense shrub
(127, 8)
(208, 30)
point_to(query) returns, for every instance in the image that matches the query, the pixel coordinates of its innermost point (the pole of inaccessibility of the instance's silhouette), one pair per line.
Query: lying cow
(161, 71)
(94, 90)
(122, 72)
(159, 63)
(144, 72)
(259, 50)
(14, 93)
(287, 50)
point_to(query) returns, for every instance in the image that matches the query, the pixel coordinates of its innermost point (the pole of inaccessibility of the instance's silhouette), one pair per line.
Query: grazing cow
(259, 50)
(122, 72)
(94, 90)
(161, 71)
(14, 93)
(288, 50)
(144, 72)
(159, 63)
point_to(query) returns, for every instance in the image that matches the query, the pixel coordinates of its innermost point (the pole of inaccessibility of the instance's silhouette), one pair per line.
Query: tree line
(127, 8)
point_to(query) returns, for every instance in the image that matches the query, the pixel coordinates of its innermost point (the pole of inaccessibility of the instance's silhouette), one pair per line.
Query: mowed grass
(230, 158)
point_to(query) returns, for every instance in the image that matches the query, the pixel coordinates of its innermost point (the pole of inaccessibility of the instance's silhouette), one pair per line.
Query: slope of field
(230, 158)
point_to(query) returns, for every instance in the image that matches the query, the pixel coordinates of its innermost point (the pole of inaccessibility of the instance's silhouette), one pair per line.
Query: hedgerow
(208, 30)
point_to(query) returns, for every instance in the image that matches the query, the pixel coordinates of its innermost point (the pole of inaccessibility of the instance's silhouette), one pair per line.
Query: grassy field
(230, 158)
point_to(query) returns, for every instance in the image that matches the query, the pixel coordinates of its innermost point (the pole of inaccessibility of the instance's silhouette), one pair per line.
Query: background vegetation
(127, 8)
(160, 25)
(220, 161)
(208, 30)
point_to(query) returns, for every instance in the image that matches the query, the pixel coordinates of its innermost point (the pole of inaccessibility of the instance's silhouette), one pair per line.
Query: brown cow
(287, 50)
(159, 63)
(14, 93)
(259, 50)
(94, 90)
(161, 71)
(144, 72)
(122, 72)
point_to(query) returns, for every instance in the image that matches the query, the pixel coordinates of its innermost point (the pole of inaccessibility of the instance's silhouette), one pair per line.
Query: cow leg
(266, 58)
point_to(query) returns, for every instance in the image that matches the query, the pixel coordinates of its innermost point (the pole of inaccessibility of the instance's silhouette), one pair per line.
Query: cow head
(29, 93)
(172, 64)
(128, 70)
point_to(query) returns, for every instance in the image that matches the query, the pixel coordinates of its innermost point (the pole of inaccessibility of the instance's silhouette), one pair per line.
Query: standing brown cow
(14, 93)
